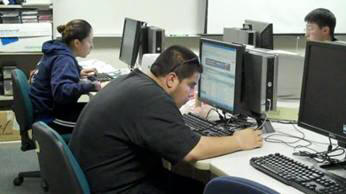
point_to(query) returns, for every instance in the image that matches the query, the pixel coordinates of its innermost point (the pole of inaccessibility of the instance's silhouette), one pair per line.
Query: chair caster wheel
(44, 186)
(18, 181)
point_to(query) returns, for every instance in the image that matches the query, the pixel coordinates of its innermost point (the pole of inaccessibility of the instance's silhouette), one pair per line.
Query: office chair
(59, 168)
(230, 185)
(23, 110)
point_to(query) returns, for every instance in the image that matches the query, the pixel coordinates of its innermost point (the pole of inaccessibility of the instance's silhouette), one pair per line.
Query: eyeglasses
(189, 61)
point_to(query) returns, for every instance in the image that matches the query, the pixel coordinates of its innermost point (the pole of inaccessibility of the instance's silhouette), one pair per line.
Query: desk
(206, 164)
(237, 164)
(86, 97)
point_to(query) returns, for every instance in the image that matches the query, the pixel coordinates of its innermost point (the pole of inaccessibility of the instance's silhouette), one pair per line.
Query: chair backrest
(22, 103)
(22, 107)
(230, 185)
(58, 166)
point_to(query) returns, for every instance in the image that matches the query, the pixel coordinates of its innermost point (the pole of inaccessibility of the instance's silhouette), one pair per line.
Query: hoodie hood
(56, 47)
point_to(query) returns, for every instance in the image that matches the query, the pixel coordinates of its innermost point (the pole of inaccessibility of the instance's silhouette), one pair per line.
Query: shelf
(114, 35)
(20, 53)
(10, 6)
(28, 6)
(183, 36)
(2, 98)
(167, 36)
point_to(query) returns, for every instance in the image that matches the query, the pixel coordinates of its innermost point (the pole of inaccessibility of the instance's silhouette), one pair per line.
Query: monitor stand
(263, 121)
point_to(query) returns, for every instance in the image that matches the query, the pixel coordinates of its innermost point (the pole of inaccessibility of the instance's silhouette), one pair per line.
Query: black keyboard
(306, 179)
(204, 127)
(102, 77)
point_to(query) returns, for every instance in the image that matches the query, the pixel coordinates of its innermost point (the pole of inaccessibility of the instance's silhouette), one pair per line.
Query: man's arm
(208, 147)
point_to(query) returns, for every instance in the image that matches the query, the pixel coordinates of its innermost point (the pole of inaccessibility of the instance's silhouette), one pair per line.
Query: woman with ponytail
(57, 85)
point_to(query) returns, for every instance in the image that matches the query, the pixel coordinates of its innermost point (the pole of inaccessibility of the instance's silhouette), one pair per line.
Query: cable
(206, 117)
(283, 121)
(264, 121)
(288, 143)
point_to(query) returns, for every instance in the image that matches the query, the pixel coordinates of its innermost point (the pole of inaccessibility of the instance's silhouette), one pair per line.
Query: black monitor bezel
(262, 29)
(238, 77)
(325, 132)
(137, 43)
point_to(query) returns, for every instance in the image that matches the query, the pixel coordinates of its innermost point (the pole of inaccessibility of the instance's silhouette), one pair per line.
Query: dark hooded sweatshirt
(56, 87)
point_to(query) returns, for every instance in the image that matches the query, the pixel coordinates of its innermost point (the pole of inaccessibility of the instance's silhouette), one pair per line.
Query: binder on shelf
(30, 36)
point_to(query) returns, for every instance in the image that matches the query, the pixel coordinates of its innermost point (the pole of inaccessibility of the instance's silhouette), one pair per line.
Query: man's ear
(171, 80)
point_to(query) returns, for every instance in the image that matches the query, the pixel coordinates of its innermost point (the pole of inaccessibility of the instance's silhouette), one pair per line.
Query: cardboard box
(9, 129)
(24, 37)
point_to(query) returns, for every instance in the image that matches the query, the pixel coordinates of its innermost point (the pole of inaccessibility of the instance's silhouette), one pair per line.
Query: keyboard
(102, 77)
(306, 179)
(204, 127)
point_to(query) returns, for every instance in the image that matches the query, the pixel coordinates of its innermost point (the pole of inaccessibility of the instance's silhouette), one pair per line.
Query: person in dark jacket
(57, 85)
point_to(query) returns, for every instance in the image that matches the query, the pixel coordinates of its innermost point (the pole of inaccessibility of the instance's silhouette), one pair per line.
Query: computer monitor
(131, 41)
(323, 96)
(220, 82)
(264, 33)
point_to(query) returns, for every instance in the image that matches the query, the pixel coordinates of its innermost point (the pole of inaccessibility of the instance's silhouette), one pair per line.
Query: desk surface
(237, 164)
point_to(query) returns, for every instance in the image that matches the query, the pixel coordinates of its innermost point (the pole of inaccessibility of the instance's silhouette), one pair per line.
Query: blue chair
(59, 169)
(23, 110)
(230, 185)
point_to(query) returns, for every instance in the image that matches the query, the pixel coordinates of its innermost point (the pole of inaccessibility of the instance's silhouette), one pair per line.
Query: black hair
(322, 17)
(75, 29)
(177, 59)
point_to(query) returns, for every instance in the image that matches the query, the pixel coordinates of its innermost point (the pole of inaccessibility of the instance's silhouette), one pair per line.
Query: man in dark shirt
(130, 125)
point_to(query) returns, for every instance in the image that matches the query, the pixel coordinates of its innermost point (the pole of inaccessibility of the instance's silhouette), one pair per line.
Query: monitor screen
(264, 33)
(322, 103)
(131, 41)
(220, 82)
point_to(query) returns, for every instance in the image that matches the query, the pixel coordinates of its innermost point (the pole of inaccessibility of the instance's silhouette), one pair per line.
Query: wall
(107, 48)
(107, 16)
(287, 16)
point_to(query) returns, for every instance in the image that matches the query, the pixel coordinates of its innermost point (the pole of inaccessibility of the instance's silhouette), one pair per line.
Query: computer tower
(156, 39)
(290, 74)
(152, 41)
(260, 71)
(241, 36)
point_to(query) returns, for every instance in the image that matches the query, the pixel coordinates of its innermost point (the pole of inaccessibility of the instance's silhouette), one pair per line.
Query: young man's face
(185, 89)
(314, 33)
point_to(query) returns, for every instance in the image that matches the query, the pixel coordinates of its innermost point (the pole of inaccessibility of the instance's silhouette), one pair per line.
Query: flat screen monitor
(323, 96)
(264, 33)
(220, 82)
(131, 41)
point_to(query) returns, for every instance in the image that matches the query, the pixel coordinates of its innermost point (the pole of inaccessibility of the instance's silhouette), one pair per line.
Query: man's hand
(97, 85)
(86, 72)
(249, 138)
